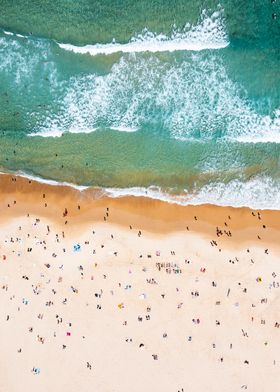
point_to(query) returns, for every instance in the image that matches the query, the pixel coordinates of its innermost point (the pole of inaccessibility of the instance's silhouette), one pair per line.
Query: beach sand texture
(134, 294)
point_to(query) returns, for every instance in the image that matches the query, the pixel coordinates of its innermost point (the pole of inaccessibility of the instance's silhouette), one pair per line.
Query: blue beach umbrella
(77, 248)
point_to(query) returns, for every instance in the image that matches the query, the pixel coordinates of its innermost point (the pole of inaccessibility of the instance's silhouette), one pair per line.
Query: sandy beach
(134, 294)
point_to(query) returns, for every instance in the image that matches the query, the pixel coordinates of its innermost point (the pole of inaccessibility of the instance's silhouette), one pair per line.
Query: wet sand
(134, 294)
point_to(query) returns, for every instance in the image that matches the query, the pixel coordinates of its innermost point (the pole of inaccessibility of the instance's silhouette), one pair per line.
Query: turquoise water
(179, 100)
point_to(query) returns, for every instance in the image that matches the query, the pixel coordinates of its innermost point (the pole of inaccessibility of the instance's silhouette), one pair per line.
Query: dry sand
(132, 294)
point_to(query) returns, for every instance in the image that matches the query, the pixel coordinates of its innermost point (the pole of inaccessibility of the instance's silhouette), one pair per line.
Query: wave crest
(258, 193)
(190, 99)
(209, 33)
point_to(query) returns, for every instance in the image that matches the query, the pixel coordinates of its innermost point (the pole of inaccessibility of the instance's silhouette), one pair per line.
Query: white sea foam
(261, 192)
(23, 60)
(261, 129)
(257, 193)
(209, 33)
(7, 32)
(192, 99)
(269, 137)
(205, 100)
(124, 129)
(59, 133)
(46, 181)
(48, 133)
(153, 192)
(148, 45)
(14, 34)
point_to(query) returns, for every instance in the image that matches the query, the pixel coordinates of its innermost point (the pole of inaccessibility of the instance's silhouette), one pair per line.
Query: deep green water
(202, 120)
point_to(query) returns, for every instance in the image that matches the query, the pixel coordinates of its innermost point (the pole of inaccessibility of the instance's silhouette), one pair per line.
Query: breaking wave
(209, 33)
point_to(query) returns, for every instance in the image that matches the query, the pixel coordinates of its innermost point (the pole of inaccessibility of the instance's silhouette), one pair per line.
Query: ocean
(177, 100)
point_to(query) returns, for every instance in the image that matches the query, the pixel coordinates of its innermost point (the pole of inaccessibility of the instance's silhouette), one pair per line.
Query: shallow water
(182, 97)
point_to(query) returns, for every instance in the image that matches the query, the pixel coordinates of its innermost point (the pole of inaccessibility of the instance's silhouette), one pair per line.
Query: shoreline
(152, 215)
(153, 193)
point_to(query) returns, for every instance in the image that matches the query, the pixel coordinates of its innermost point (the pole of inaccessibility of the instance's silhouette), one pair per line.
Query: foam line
(59, 133)
(45, 181)
(143, 46)
(261, 193)
(208, 34)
